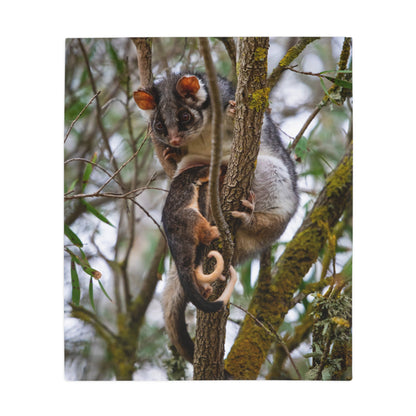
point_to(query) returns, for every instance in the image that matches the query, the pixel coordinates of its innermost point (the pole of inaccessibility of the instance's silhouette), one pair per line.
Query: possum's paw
(205, 289)
(244, 216)
(172, 153)
(231, 108)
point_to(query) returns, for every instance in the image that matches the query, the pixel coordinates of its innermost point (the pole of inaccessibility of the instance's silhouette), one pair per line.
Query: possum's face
(177, 109)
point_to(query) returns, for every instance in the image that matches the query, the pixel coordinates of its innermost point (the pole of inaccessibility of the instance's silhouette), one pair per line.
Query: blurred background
(113, 325)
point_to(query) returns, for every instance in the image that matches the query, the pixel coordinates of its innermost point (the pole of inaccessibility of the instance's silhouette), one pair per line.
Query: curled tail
(216, 274)
(193, 287)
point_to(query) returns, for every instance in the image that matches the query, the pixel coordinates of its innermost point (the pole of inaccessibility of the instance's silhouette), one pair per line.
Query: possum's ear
(144, 100)
(188, 85)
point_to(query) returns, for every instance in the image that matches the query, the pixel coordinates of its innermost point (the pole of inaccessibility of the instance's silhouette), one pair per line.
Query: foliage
(114, 191)
(331, 335)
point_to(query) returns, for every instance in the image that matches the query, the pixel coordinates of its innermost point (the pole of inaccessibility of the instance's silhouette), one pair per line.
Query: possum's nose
(174, 138)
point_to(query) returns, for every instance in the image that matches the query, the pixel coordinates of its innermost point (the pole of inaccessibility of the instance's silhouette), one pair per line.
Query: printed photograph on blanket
(208, 208)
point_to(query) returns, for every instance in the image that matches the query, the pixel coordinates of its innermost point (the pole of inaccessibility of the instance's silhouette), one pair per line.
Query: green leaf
(343, 83)
(76, 291)
(72, 186)
(95, 212)
(87, 172)
(105, 293)
(326, 90)
(91, 293)
(74, 257)
(119, 63)
(84, 263)
(301, 148)
(340, 82)
(72, 236)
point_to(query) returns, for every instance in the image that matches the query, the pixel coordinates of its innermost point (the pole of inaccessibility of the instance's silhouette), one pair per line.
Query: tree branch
(252, 345)
(269, 329)
(98, 105)
(231, 50)
(80, 114)
(88, 317)
(291, 54)
(144, 60)
(305, 126)
(342, 64)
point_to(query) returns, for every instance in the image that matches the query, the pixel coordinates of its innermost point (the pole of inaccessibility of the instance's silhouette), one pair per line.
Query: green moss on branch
(271, 302)
(291, 54)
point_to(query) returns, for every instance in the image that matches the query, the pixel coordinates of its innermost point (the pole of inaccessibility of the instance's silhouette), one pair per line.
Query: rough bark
(144, 60)
(251, 102)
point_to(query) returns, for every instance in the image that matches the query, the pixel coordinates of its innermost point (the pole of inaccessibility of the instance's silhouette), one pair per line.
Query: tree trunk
(251, 102)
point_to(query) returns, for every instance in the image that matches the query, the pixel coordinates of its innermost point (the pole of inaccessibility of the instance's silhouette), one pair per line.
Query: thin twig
(269, 328)
(341, 67)
(131, 213)
(314, 74)
(81, 159)
(80, 114)
(311, 288)
(126, 195)
(148, 214)
(123, 165)
(305, 126)
(98, 105)
(231, 50)
(216, 151)
(123, 264)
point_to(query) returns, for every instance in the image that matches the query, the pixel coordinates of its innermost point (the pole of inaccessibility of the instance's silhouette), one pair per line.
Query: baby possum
(187, 230)
(180, 115)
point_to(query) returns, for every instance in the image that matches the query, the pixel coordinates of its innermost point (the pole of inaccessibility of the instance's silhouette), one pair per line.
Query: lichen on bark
(253, 343)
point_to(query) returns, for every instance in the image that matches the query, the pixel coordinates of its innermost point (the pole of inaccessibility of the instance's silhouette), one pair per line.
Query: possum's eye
(184, 116)
(159, 126)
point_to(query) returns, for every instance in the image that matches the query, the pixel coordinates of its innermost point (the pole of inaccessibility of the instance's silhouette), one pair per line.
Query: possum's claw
(172, 153)
(249, 203)
(231, 108)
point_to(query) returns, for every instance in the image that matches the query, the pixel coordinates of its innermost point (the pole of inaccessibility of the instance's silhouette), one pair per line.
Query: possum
(179, 112)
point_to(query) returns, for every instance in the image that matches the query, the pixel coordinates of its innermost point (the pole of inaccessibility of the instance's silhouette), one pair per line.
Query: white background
(32, 129)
